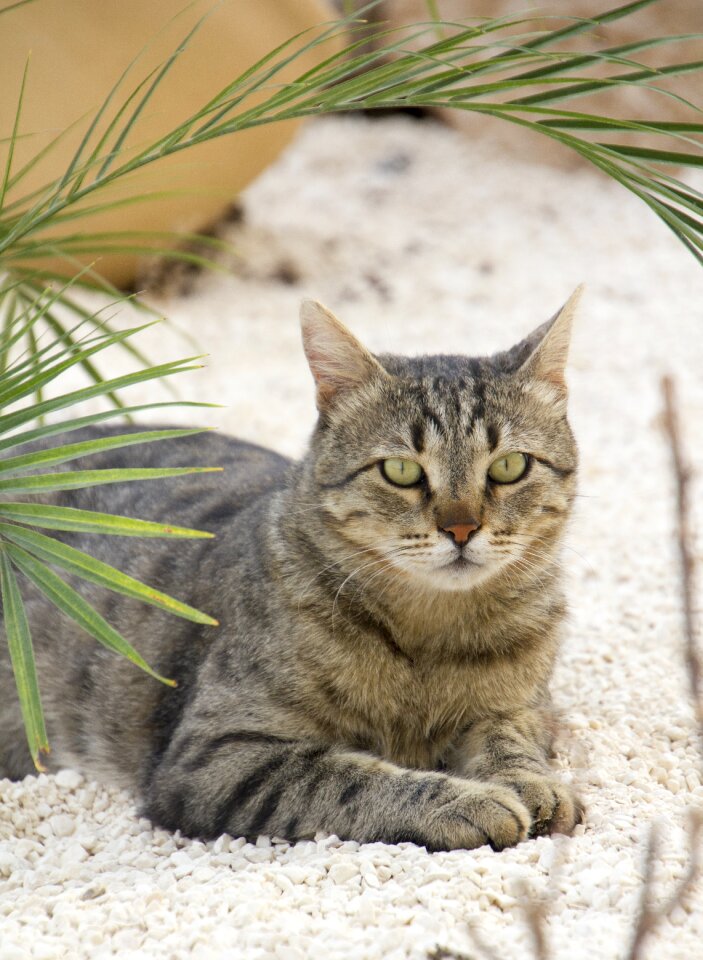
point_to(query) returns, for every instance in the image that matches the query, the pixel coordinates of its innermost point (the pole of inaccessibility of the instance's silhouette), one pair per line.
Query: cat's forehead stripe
(431, 416)
(417, 432)
(493, 435)
(461, 400)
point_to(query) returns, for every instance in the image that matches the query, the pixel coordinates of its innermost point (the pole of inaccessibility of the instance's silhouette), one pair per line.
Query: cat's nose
(461, 532)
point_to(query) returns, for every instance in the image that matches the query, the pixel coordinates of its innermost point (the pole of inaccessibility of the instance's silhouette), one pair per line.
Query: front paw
(553, 805)
(478, 813)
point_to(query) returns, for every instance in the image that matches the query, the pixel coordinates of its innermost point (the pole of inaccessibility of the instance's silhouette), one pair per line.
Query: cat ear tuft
(338, 362)
(548, 346)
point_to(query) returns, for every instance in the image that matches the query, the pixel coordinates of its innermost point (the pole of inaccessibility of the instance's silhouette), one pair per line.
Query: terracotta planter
(79, 48)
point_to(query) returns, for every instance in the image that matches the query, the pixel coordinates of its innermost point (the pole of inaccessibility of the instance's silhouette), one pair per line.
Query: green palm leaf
(28, 376)
(74, 606)
(88, 568)
(77, 479)
(72, 451)
(444, 72)
(66, 426)
(23, 665)
(90, 521)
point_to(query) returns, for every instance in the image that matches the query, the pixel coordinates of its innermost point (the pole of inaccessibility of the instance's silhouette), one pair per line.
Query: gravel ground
(421, 240)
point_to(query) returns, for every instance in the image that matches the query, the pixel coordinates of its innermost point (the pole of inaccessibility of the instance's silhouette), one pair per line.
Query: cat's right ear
(338, 362)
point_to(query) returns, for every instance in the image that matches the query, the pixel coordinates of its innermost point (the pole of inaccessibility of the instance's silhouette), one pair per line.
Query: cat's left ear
(547, 348)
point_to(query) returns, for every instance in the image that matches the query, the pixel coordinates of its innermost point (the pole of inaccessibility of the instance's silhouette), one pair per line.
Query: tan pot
(79, 48)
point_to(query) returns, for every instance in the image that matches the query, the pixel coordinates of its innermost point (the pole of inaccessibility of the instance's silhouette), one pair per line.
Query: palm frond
(91, 521)
(23, 665)
(22, 546)
(95, 571)
(70, 602)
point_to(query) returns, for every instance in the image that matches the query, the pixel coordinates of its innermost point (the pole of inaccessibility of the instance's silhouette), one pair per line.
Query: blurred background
(76, 51)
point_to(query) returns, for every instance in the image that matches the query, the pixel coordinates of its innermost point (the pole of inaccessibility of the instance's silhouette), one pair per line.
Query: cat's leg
(246, 783)
(513, 749)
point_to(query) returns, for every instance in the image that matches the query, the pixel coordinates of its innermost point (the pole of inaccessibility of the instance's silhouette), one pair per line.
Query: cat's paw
(478, 814)
(553, 805)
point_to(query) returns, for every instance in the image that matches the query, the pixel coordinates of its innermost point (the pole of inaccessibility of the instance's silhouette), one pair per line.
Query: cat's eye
(509, 468)
(404, 473)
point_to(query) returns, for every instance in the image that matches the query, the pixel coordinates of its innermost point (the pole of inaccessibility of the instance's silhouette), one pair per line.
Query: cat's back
(245, 471)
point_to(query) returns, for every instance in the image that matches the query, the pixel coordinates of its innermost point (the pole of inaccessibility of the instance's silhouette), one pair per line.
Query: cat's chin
(456, 576)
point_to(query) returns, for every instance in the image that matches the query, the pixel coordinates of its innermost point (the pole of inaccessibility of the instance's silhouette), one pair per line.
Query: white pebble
(11, 951)
(8, 863)
(679, 916)
(68, 779)
(73, 854)
(283, 882)
(343, 871)
(295, 873)
(62, 825)
(287, 952)
(44, 951)
(692, 780)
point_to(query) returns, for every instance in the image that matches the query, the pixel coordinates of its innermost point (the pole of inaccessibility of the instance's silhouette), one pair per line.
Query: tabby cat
(389, 610)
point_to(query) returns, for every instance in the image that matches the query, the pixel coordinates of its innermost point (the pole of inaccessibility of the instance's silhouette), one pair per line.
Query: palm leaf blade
(90, 521)
(10, 421)
(23, 664)
(72, 451)
(89, 568)
(77, 479)
(78, 609)
(67, 426)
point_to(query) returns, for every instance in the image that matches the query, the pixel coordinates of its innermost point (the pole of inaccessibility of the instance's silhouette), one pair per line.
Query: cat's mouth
(460, 563)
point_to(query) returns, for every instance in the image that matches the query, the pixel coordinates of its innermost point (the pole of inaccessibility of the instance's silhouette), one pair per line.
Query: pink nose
(461, 531)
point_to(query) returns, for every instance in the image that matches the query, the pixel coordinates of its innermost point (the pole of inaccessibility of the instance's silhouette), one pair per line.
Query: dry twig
(650, 917)
(535, 913)
(683, 476)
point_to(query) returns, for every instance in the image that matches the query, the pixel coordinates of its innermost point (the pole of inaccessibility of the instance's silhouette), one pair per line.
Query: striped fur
(361, 681)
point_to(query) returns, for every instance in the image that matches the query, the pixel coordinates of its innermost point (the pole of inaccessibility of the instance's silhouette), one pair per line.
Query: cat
(390, 610)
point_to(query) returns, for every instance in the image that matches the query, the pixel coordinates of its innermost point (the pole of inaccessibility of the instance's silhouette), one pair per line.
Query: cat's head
(444, 470)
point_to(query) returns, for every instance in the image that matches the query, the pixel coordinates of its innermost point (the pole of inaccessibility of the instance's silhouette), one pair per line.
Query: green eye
(404, 473)
(509, 468)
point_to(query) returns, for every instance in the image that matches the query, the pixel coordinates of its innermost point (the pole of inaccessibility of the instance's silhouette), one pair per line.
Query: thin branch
(650, 917)
(535, 913)
(683, 475)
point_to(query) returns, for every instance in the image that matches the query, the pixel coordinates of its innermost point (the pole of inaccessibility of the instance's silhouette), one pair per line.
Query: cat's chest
(411, 709)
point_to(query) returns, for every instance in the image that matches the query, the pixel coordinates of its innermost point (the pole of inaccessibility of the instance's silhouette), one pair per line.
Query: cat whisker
(532, 573)
(335, 563)
(392, 581)
(374, 562)
(364, 584)
(560, 543)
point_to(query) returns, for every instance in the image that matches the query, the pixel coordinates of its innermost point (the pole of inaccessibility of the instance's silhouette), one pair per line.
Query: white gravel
(422, 240)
